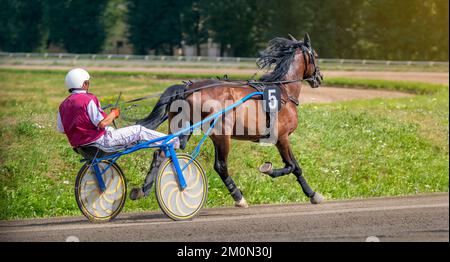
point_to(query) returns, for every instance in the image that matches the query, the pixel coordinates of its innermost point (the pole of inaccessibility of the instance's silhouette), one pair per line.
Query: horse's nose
(321, 75)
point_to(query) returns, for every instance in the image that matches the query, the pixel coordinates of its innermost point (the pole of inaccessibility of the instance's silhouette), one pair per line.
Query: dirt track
(428, 77)
(334, 94)
(413, 218)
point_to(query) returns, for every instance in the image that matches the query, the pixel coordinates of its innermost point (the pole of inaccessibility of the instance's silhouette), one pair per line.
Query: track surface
(328, 94)
(413, 218)
(428, 77)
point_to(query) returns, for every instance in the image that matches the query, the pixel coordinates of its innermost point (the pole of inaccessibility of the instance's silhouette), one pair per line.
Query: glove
(116, 112)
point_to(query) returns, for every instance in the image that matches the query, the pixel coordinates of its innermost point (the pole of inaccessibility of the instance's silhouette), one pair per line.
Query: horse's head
(293, 60)
(312, 73)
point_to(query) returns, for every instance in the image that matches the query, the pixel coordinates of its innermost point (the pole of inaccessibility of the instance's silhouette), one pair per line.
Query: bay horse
(292, 61)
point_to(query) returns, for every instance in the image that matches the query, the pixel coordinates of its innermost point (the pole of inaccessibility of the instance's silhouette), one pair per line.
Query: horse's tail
(161, 110)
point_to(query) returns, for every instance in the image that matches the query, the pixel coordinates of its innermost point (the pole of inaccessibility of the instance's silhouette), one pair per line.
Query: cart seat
(90, 151)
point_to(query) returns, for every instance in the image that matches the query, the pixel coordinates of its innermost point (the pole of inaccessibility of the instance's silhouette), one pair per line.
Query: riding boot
(136, 193)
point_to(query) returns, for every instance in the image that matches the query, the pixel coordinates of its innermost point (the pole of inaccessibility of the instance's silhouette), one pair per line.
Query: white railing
(204, 59)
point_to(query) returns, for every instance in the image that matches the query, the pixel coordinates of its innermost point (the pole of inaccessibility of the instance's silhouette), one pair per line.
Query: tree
(21, 28)
(429, 26)
(330, 23)
(288, 17)
(233, 24)
(155, 25)
(366, 29)
(405, 29)
(115, 25)
(335, 28)
(363, 29)
(194, 30)
(76, 25)
(55, 12)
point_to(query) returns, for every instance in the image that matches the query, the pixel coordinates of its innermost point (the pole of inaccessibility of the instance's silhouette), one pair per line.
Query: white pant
(114, 138)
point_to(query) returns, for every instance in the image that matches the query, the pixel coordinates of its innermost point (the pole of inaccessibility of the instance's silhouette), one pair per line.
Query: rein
(238, 83)
(156, 95)
(258, 85)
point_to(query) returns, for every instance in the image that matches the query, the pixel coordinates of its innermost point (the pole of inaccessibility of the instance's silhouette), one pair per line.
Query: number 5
(273, 104)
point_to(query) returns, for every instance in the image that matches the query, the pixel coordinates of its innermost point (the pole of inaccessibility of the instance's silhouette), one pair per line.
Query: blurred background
(361, 29)
(379, 126)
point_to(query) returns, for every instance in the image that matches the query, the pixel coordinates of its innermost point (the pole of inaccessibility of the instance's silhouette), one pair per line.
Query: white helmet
(76, 77)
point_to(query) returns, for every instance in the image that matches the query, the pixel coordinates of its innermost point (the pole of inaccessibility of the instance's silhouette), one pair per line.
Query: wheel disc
(176, 203)
(98, 205)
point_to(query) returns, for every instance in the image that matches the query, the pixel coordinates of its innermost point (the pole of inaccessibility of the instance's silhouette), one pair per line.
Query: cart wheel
(181, 204)
(97, 206)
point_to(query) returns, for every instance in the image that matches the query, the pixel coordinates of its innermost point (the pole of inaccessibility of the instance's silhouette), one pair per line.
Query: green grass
(350, 149)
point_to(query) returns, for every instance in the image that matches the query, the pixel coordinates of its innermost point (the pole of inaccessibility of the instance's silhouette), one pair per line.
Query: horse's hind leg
(222, 148)
(139, 192)
(292, 166)
(158, 157)
(183, 141)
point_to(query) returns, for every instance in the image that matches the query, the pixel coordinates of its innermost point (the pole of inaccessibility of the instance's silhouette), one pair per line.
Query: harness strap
(294, 100)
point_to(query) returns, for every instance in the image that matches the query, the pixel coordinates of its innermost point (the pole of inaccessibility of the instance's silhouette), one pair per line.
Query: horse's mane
(280, 53)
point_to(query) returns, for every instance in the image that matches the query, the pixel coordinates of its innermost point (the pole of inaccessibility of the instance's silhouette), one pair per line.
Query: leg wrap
(183, 141)
(305, 187)
(281, 171)
(234, 190)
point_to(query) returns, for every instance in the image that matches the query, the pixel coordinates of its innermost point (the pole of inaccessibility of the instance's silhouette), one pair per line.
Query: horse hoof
(266, 168)
(136, 193)
(316, 199)
(241, 203)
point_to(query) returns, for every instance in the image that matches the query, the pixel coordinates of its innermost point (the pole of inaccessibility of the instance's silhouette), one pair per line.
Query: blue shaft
(98, 175)
(213, 116)
(168, 148)
(196, 151)
(173, 156)
(166, 139)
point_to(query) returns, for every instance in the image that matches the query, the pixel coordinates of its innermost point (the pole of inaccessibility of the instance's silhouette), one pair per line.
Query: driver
(82, 119)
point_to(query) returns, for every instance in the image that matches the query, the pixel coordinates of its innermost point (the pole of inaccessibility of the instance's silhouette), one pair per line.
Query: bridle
(314, 80)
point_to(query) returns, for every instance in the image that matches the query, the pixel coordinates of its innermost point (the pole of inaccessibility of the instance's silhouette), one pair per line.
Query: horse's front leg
(222, 148)
(291, 166)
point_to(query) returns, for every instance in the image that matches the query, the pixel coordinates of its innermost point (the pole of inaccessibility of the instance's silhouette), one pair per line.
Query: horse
(288, 62)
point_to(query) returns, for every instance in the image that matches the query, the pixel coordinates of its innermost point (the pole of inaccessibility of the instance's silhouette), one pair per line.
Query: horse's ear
(293, 38)
(307, 40)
